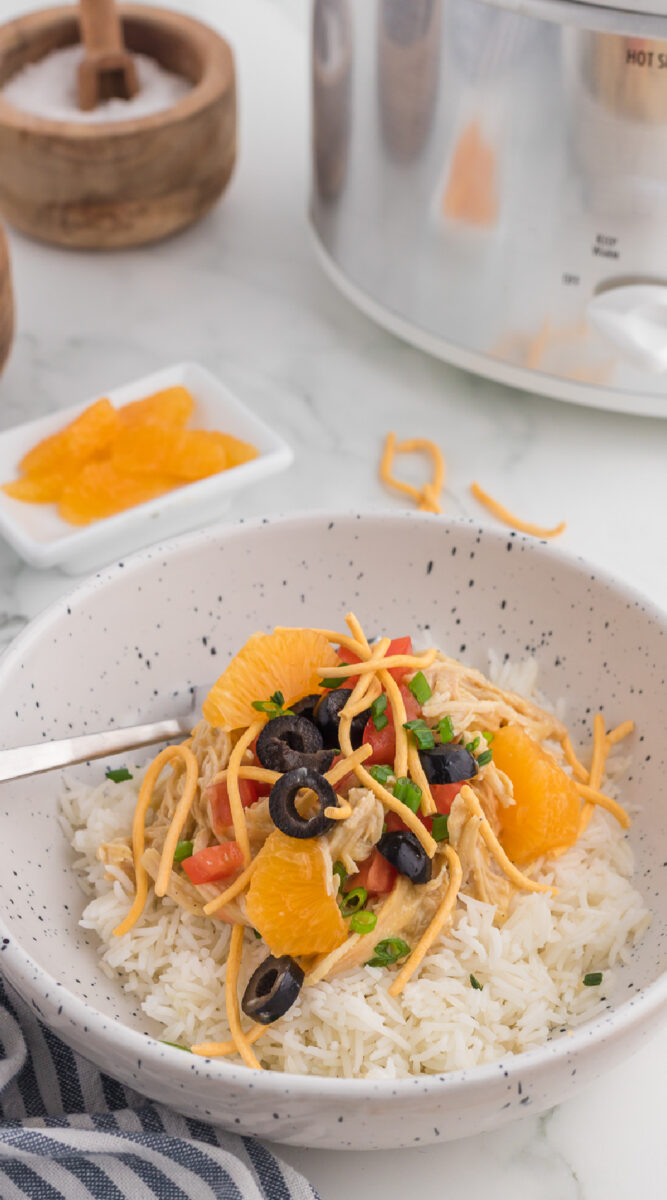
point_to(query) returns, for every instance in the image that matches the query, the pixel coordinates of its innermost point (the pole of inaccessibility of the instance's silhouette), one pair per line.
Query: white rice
(531, 968)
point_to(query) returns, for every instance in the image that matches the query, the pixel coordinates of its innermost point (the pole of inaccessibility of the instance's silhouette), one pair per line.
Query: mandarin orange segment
(86, 437)
(100, 491)
(187, 454)
(238, 452)
(545, 816)
(286, 661)
(290, 900)
(171, 406)
(146, 450)
(201, 454)
(36, 489)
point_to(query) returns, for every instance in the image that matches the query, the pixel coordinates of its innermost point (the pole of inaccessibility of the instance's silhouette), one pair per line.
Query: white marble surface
(242, 294)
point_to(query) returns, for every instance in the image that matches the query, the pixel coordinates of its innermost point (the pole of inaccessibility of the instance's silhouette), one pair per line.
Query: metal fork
(47, 756)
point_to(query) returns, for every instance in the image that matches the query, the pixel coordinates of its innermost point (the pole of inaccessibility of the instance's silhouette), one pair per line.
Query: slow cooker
(490, 182)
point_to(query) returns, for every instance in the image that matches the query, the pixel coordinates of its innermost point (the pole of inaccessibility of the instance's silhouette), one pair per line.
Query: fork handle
(46, 756)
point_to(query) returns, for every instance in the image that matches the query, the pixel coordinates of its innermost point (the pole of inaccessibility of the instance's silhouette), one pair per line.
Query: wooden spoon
(107, 69)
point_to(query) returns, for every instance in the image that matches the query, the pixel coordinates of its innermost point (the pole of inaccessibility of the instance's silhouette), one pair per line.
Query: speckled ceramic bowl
(133, 637)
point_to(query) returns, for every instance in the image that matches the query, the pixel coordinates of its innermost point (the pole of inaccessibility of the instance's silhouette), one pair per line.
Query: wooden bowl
(119, 183)
(6, 301)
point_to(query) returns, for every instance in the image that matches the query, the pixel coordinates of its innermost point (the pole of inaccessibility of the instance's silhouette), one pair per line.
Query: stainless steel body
(492, 185)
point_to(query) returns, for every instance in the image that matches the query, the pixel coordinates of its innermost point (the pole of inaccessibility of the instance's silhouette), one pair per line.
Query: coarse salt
(48, 88)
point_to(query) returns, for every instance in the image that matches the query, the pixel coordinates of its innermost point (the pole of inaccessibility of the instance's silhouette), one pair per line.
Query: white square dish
(43, 539)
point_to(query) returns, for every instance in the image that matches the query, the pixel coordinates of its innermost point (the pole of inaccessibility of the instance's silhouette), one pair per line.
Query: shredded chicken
(117, 853)
(258, 822)
(193, 898)
(479, 873)
(396, 910)
(351, 841)
(466, 695)
(212, 748)
(406, 911)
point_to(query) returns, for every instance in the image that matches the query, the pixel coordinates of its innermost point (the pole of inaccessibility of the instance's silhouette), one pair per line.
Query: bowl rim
(218, 77)
(56, 998)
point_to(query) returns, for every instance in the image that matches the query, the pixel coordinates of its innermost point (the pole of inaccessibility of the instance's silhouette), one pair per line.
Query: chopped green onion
(353, 901)
(339, 870)
(257, 934)
(183, 850)
(421, 733)
(408, 792)
(363, 922)
(485, 758)
(472, 746)
(272, 708)
(120, 775)
(487, 735)
(378, 715)
(176, 1046)
(593, 980)
(400, 788)
(476, 984)
(420, 688)
(378, 706)
(332, 684)
(439, 830)
(446, 729)
(381, 773)
(388, 951)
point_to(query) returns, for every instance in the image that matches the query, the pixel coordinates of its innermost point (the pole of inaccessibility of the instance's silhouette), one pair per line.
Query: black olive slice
(292, 741)
(272, 989)
(282, 803)
(449, 763)
(327, 718)
(306, 706)
(405, 852)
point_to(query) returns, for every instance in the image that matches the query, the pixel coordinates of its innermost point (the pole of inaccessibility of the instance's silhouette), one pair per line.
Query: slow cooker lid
(628, 18)
(656, 8)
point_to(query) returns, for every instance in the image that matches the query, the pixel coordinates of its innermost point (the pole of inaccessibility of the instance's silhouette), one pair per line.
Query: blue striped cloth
(69, 1132)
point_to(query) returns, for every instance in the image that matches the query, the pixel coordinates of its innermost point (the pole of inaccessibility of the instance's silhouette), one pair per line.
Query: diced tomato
(218, 796)
(346, 656)
(444, 795)
(412, 706)
(402, 645)
(375, 874)
(216, 862)
(394, 822)
(348, 781)
(383, 741)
